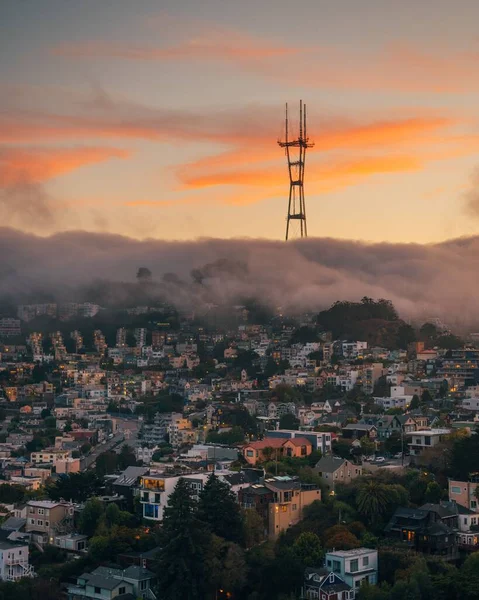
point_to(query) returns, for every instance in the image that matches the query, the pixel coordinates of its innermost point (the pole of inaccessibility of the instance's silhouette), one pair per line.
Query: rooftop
(351, 553)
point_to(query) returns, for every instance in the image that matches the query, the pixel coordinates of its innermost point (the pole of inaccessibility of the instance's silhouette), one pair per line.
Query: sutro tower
(296, 206)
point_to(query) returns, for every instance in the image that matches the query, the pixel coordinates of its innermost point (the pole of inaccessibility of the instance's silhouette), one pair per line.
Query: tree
(253, 528)
(464, 456)
(307, 548)
(185, 544)
(226, 566)
(433, 492)
(340, 538)
(426, 397)
(414, 405)
(289, 421)
(368, 447)
(469, 578)
(106, 463)
(112, 515)
(127, 457)
(372, 500)
(219, 510)
(405, 335)
(90, 515)
(393, 444)
(342, 448)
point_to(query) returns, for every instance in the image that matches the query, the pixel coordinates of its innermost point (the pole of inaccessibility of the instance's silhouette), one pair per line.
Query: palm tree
(372, 500)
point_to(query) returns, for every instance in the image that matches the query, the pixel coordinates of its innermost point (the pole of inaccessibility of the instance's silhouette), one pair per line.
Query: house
(290, 498)
(320, 440)
(257, 497)
(127, 482)
(321, 583)
(464, 493)
(334, 469)
(92, 586)
(14, 563)
(271, 448)
(155, 490)
(72, 542)
(430, 529)
(47, 519)
(354, 566)
(357, 431)
(423, 439)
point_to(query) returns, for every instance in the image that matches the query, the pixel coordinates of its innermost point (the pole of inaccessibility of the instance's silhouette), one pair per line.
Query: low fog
(304, 275)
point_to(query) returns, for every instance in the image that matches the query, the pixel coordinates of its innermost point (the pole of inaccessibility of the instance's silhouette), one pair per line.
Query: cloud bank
(304, 275)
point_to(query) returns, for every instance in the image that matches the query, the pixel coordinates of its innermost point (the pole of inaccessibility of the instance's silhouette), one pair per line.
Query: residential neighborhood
(276, 439)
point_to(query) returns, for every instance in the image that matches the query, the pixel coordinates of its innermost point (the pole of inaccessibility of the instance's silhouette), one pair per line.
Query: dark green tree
(90, 515)
(289, 421)
(185, 542)
(127, 457)
(219, 510)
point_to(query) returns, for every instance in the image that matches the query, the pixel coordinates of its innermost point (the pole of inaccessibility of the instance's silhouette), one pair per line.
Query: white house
(14, 561)
(155, 490)
(354, 566)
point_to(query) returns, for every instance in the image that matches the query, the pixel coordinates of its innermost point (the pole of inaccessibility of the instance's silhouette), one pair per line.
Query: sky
(160, 118)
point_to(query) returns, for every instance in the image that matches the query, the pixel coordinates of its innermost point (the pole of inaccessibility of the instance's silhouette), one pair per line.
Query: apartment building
(49, 456)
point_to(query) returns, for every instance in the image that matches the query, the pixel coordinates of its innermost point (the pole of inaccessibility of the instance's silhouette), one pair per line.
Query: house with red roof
(271, 448)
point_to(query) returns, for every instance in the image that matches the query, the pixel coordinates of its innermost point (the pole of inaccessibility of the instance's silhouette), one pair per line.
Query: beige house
(47, 519)
(290, 498)
(334, 469)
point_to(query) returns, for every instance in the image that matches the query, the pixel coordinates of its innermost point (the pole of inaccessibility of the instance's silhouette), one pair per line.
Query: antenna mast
(296, 163)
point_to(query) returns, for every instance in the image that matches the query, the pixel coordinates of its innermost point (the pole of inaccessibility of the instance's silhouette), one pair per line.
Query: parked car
(380, 459)
(398, 455)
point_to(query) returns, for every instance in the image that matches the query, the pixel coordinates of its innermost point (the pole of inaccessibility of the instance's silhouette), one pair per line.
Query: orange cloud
(226, 168)
(39, 165)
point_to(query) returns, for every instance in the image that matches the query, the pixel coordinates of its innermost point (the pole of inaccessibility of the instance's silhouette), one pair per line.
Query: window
(143, 585)
(473, 504)
(47, 523)
(354, 565)
(97, 590)
(41, 511)
(249, 453)
(427, 441)
(122, 590)
(336, 566)
(365, 561)
(284, 508)
(32, 521)
(455, 489)
(40, 522)
(295, 507)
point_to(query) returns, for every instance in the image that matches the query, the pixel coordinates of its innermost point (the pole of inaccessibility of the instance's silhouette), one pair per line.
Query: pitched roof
(329, 464)
(267, 443)
(299, 441)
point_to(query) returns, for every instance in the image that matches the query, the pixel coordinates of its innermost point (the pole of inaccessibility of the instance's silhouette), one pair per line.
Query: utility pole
(296, 164)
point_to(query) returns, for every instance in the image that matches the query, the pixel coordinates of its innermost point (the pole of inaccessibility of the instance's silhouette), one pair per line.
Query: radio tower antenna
(296, 162)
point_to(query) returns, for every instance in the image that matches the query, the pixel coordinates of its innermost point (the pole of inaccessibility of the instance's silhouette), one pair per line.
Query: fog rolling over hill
(421, 280)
